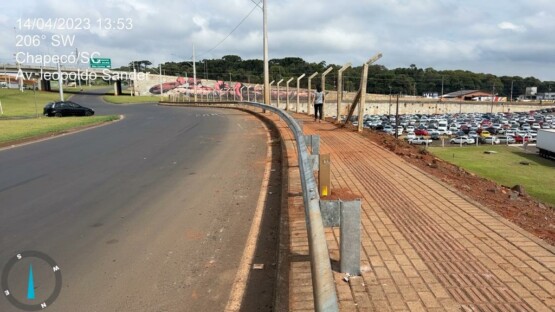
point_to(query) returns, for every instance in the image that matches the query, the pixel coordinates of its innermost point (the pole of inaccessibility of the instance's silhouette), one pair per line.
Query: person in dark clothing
(318, 103)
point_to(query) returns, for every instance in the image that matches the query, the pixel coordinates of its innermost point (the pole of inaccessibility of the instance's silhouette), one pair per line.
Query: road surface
(150, 213)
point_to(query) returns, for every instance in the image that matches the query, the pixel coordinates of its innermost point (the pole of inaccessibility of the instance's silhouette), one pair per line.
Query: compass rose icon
(31, 280)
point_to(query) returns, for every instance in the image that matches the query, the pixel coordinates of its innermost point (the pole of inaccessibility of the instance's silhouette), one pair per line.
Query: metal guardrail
(323, 284)
(325, 296)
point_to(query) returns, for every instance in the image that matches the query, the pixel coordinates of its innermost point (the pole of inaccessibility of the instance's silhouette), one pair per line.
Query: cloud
(449, 34)
(511, 26)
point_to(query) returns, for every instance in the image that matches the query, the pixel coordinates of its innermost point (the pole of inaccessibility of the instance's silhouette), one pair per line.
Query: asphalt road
(150, 213)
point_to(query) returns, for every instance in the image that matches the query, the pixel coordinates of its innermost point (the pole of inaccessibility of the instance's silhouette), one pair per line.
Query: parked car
(490, 140)
(462, 140)
(66, 108)
(435, 135)
(410, 136)
(421, 132)
(506, 139)
(420, 141)
(485, 134)
(473, 134)
(521, 138)
(388, 129)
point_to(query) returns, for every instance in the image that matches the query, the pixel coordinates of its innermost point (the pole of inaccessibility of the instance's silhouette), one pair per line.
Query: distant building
(471, 95)
(548, 96)
(533, 95)
(431, 95)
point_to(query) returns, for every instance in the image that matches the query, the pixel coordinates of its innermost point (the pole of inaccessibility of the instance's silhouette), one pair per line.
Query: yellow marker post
(324, 175)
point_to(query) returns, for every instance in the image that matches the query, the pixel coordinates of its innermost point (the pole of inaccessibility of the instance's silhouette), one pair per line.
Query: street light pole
(512, 82)
(194, 74)
(492, 94)
(265, 47)
(60, 82)
(389, 112)
(161, 87)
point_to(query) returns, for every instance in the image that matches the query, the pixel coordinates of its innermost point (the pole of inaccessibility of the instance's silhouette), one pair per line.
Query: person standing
(318, 103)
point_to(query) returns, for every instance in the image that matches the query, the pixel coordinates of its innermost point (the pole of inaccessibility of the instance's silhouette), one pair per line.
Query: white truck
(546, 142)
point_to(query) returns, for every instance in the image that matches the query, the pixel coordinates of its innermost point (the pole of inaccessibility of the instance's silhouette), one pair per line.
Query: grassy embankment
(505, 167)
(22, 116)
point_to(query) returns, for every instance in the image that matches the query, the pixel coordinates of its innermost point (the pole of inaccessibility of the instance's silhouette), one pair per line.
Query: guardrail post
(313, 141)
(346, 215)
(349, 248)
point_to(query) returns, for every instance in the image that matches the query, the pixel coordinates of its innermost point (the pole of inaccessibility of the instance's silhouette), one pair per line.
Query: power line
(257, 5)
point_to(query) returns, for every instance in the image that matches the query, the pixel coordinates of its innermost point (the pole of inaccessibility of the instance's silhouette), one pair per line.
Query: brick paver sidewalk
(424, 246)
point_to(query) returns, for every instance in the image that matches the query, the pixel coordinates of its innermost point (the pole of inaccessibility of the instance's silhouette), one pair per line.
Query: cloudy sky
(491, 36)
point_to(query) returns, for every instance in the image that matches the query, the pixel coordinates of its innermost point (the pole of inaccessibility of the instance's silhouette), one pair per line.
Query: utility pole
(460, 107)
(134, 79)
(20, 77)
(265, 48)
(194, 73)
(441, 88)
(60, 82)
(161, 87)
(389, 112)
(492, 95)
(512, 83)
(77, 64)
(397, 118)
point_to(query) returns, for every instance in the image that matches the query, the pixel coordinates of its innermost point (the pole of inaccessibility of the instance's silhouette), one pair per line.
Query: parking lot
(464, 129)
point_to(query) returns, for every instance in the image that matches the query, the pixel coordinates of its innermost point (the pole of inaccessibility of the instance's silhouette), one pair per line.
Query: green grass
(131, 99)
(15, 130)
(22, 104)
(505, 168)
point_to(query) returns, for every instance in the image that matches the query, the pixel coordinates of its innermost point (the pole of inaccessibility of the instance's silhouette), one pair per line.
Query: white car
(411, 135)
(491, 140)
(462, 140)
(420, 141)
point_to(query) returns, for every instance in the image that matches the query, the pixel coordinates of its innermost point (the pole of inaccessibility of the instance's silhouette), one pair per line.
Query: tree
(410, 80)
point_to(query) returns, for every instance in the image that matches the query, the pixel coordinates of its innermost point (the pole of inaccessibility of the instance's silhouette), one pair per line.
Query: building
(470, 95)
(533, 95)
(548, 96)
